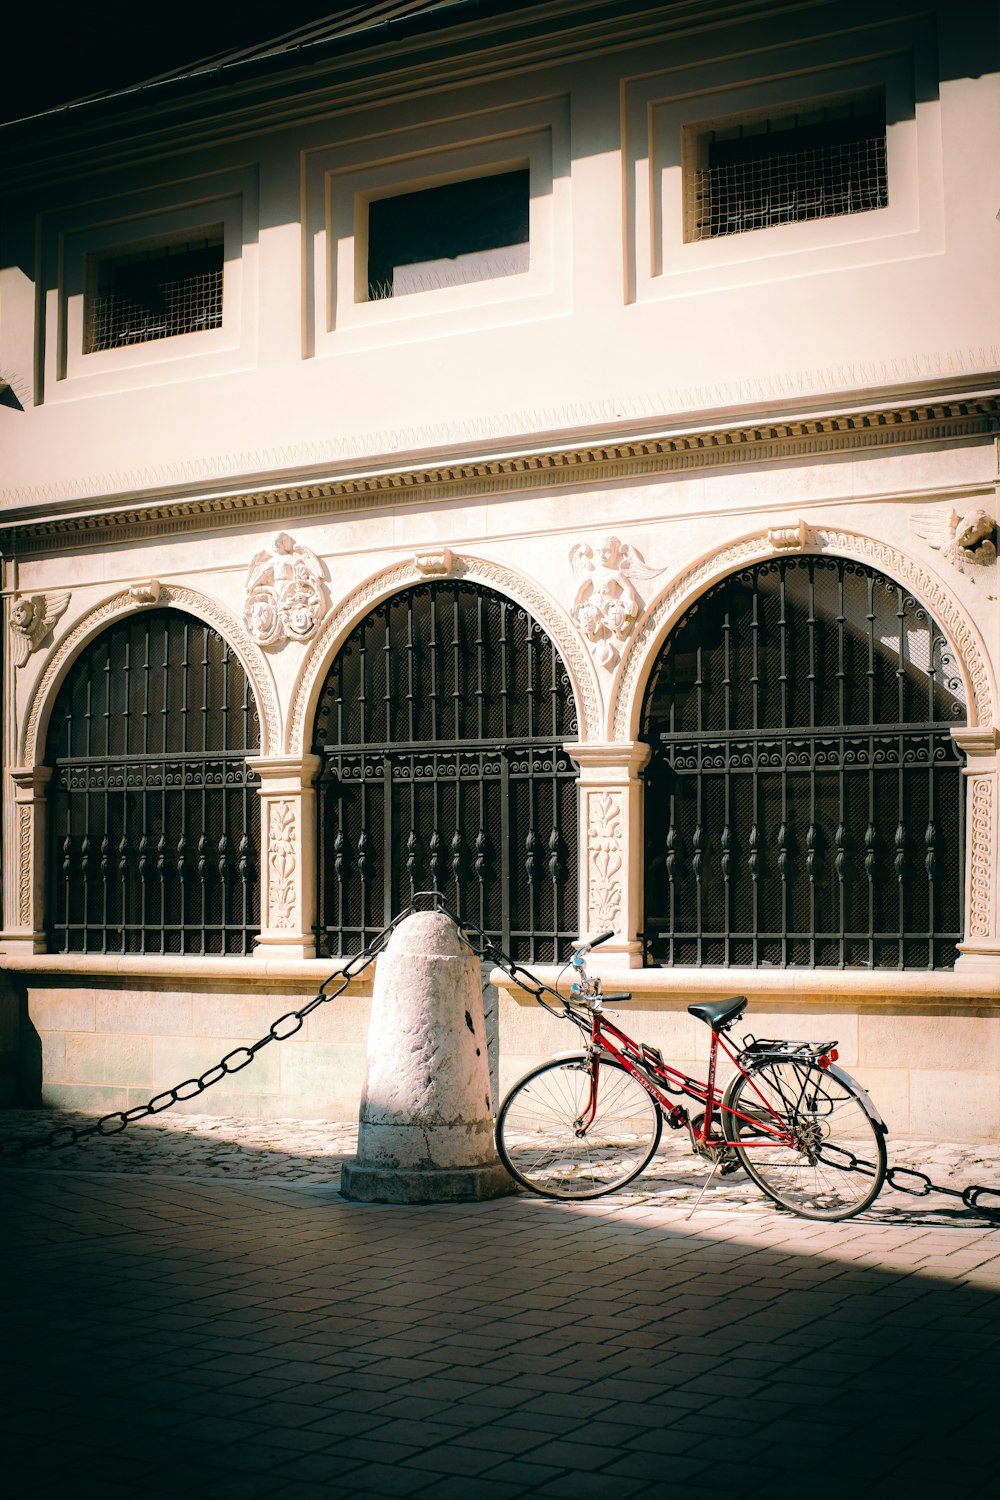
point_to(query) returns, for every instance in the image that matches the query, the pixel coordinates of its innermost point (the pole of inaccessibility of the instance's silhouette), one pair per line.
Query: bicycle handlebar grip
(621, 995)
(602, 939)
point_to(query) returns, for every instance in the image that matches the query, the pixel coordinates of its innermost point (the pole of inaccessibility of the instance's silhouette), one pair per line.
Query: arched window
(154, 817)
(441, 727)
(804, 797)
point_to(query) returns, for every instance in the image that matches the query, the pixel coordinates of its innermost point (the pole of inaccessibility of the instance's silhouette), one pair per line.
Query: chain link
(234, 1062)
(484, 947)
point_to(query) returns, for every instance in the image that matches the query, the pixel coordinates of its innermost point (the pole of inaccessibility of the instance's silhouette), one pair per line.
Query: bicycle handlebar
(594, 943)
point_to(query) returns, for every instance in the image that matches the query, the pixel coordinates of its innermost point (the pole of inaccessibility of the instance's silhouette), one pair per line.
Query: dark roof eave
(246, 70)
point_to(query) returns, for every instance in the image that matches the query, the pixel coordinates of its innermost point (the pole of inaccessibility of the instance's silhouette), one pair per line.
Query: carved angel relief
(285, 594)
(967, 541)
(31, 619)
(607, 603)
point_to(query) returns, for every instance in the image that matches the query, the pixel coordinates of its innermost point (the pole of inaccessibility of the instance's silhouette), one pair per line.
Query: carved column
(611, 843)
(288, 856)
(24, 877)
(981, 946)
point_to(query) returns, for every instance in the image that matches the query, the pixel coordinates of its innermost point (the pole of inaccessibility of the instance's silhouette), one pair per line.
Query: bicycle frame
(635, 1059)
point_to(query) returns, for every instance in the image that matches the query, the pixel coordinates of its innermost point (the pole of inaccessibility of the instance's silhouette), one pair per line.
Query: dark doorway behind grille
(441, 727)
(804, 799)
(154, 816)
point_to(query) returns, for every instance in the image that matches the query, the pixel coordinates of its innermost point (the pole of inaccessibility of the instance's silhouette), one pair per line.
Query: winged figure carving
(968, 541)
(32, 616)
(285, 596)
(607, 603)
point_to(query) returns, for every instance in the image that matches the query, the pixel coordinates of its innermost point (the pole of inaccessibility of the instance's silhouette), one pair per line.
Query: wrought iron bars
(441, 725)
(154, 818)
(804, 801)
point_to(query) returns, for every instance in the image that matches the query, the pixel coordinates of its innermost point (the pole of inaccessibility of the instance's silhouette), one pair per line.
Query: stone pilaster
(611, 791)
(24, 883)
(981, 944)
(288, 856)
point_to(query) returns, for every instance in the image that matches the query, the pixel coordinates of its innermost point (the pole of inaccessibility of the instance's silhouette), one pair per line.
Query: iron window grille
(804, 802)
(441, 726)
(789, 170)
(155, 291)
(154, 815)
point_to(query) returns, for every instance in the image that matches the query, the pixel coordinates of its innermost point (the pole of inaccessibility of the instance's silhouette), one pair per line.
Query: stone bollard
(426, 1122)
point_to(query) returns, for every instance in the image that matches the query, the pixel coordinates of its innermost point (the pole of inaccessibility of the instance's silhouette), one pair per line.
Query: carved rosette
(282, 863)
(981, 874)
(605, 860)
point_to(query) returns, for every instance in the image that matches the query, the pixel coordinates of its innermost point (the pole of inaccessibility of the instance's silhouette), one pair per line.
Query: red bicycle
(587, 1123)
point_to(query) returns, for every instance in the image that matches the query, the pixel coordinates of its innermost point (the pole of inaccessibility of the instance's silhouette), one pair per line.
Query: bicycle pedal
(677, 1118)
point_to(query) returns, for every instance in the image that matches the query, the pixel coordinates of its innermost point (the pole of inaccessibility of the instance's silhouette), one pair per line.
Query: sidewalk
(191, 1308)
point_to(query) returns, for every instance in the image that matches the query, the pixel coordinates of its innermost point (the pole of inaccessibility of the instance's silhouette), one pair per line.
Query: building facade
(541, 453)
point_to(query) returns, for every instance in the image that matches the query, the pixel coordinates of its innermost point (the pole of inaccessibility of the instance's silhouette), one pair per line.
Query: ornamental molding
(980, 857)
(24, 821)
(282, 863)
(392, 580)
(177, 597)
(605, 860)
(928, 590)
(377, 487)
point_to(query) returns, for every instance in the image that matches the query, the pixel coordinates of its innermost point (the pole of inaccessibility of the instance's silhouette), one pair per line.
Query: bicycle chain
(279, 1031)
(233, 1062)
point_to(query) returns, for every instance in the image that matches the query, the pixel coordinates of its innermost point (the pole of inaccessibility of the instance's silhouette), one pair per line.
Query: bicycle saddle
(718, 1013)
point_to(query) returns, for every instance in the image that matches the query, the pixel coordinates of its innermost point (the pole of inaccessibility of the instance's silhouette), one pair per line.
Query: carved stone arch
(627, 690)
(393, 580)
(174, 596)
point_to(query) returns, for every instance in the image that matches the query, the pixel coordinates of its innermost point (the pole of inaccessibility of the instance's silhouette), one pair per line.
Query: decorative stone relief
(31, 619)
(606, 858)
(282, 863)
(982, 870)
(788, 538)
(285, 594)
(435, 564)
(147, 592)
(968, 541)
(24, 865)
(607, 603)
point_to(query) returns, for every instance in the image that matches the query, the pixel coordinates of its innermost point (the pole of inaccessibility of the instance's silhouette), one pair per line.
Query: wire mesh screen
(155, 293)
(790, 173)
(804, 800)
(154, 817)
(441, 727)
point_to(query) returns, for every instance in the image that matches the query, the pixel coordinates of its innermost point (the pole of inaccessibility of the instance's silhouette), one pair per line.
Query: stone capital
(609, 764)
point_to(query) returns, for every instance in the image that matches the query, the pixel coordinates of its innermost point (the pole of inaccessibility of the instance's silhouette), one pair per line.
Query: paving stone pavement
(191, 1308)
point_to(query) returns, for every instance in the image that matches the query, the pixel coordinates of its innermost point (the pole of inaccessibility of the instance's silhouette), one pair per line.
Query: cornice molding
(95, 523)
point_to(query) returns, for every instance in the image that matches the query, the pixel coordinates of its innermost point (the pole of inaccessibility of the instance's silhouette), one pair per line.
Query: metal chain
(233, 1062)
(483, 947)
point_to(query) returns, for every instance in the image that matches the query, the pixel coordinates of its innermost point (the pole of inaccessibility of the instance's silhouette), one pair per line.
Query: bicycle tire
(536, 1133)
(823, 1110)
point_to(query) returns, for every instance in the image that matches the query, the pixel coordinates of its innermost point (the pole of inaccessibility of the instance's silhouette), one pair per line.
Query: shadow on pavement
(244, 1338)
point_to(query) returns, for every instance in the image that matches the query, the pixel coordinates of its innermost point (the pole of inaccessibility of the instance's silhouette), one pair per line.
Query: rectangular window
(461, 232)
(789, 168)
(155, 290)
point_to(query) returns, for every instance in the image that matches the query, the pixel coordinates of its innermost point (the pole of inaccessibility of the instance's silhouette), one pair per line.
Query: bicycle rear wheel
(815, 1173)
(544, 1144)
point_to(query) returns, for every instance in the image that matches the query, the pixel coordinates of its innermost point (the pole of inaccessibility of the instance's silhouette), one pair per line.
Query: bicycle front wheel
(546, 1143)
(828, 1135)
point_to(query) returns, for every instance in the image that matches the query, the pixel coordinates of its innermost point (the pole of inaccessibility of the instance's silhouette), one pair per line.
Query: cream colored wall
(618, 318)
(618, 324)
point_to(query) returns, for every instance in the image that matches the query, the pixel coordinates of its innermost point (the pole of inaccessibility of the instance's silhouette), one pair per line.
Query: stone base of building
(364, 1184)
